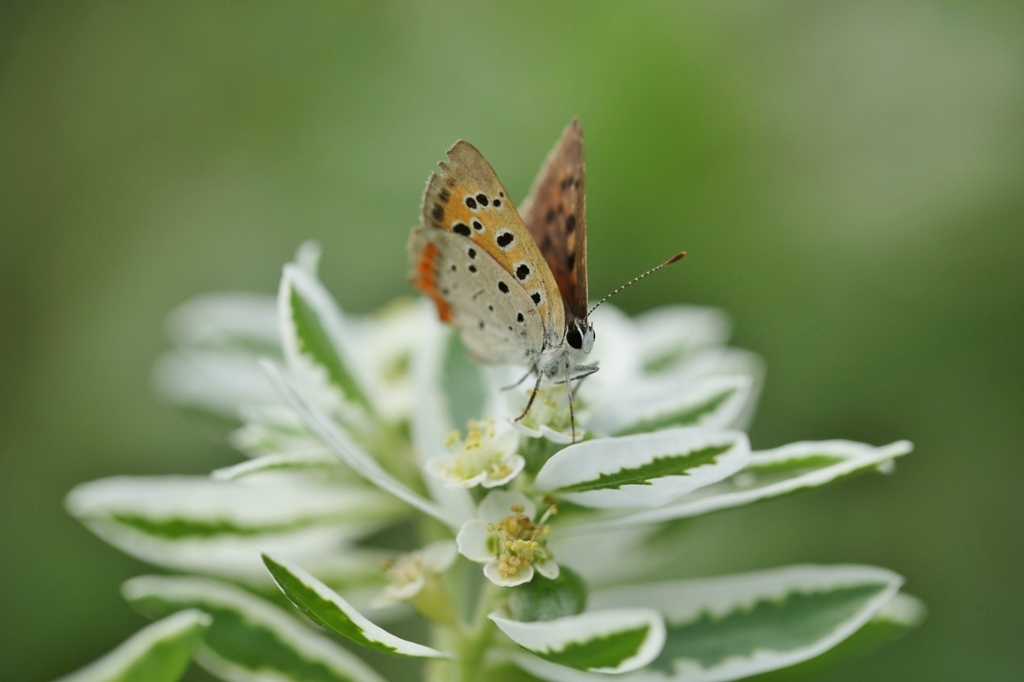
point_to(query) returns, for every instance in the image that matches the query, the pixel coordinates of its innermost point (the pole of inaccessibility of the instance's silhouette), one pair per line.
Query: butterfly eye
(574, 338)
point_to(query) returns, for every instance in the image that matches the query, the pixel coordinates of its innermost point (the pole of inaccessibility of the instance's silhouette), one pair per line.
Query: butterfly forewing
(555, 215)
(496, 318)
(467, 200)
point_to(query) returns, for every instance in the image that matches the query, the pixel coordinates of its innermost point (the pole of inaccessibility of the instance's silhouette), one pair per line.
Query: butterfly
(512, 282)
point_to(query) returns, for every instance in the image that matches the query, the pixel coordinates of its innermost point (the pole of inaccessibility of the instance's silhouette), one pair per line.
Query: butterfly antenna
(674, 259)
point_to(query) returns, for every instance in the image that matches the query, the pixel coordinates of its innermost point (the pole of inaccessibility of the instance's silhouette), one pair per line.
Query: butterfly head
(580, 336)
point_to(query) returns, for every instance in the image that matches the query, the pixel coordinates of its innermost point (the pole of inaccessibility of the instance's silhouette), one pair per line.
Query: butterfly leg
(533, 395)
(572, 412)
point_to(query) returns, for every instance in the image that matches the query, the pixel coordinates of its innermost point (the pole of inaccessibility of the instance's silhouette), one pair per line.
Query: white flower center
(550, 408)
(479, 453)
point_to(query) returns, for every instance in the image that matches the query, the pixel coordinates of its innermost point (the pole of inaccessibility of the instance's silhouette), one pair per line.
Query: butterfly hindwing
(466, 199)
(555, 215)
(495, 316)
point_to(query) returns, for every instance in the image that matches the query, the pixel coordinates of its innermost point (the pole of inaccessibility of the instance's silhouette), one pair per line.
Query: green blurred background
(847, 178)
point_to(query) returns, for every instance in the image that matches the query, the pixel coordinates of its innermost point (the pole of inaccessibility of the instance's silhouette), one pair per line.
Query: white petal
(439, 556)
(498, 505)
(514, 463)
(393, 594)
(548, 569)
(521, 576)
(472, 541)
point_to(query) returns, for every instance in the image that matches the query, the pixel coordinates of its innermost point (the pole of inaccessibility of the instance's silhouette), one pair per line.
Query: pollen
(521, 542)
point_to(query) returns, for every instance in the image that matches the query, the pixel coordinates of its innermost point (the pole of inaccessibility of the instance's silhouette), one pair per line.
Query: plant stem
(478, 639)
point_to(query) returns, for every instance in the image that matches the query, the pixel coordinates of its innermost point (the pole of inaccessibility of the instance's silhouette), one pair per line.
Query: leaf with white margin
(651, 405)
(644, 470)
(159, 652)
(735, 627)
(894, 620)
(193, 523)
(767, 474)
(335, 437)
(330, 611)
(609, 641)
(250, 640)
(272, 463)
(670, 334)
(315, 338)
(214, 381)
(242, 322)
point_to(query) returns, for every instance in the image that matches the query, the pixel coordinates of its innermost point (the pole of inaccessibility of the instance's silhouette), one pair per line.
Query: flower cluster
(352, 427)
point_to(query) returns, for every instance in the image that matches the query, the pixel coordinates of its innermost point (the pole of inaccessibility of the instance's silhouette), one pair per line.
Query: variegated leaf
(159, 652)
(315, 339)
(330, 611)
(736, 627)
(335, 437)
(768, 474)
(603, 641)
(220, 527)
(644, 470)
(250, 640)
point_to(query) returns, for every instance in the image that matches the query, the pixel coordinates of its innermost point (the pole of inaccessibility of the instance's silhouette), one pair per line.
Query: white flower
(482, 458)
(506, 540)
(409, 573)
(549, 415)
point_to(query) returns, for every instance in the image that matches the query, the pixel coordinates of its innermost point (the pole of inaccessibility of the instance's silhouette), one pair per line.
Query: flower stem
(477, 640)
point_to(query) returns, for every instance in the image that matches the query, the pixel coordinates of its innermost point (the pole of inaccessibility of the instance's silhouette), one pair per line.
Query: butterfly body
(512, 282)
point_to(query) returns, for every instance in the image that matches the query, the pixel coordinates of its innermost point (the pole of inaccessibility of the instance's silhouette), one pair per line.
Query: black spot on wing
(570, 224)
(523, 271)
(502, 287)
(461, 228)
(438, 212)
(471, 202)
(481, 199)
(505, 239)
(536, 297)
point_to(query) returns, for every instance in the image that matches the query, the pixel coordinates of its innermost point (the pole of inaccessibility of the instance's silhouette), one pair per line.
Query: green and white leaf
(335, 437)
(654, 404)
(241, 322)
(276, 463)
(250, 640)
(643, 470)
(316, 342)
(219, 527)
(330, 611)
(217, 382)
(894, 620)
(159, 652)
(670, 334)
(734, 627)
(274, 430)
(768, 474)
(602, 641)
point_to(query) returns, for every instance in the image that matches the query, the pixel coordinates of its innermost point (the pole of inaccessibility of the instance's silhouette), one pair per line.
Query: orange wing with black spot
(555, 215)
(467, 199)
